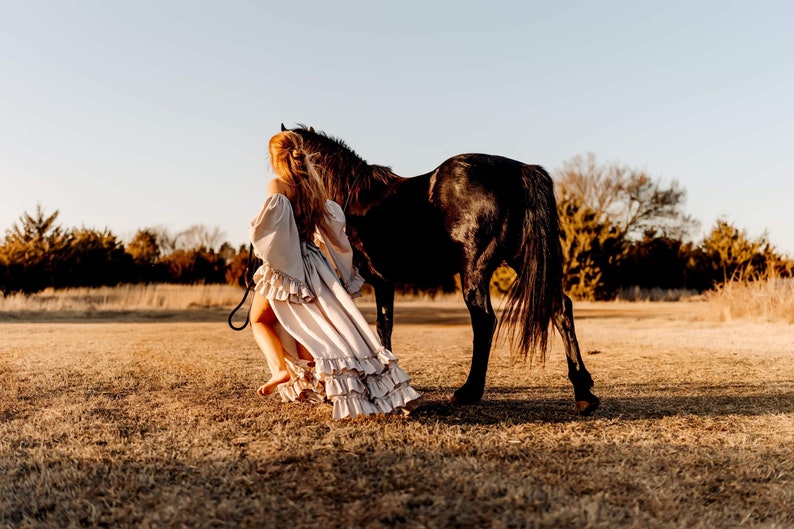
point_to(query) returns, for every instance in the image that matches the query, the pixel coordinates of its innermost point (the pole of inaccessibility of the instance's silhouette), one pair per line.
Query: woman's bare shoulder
(276, 186)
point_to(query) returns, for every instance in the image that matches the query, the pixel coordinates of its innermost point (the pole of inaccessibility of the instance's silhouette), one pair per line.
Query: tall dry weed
(124, 297)
(769, 299)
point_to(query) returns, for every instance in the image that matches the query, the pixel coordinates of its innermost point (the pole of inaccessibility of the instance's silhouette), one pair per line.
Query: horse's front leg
(483, 324)
(384, 299)
(584, 400)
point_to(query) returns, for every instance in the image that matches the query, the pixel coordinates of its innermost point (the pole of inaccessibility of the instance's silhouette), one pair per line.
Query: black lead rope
(249, 286)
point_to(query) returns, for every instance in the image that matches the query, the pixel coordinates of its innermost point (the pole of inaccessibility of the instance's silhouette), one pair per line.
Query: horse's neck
(369, 188)
(352, 182)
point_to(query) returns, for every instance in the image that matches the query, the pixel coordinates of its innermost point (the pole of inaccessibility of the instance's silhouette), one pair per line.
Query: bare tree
(200, 236)
(166, 242)
(629, 199)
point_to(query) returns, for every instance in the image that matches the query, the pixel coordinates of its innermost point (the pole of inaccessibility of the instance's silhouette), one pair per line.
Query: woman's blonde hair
(293, 165)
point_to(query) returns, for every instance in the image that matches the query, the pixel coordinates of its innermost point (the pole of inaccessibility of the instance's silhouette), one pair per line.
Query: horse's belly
(414, 262)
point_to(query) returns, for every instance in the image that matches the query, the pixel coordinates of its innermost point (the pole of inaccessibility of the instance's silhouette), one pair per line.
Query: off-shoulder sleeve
(337, 247)
(274, 235)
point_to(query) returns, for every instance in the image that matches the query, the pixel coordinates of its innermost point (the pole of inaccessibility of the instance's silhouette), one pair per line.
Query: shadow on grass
(517, 405)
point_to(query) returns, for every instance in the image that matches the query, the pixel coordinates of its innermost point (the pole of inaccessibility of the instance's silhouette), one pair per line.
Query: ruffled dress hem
(303, 386)
(374, 385)
(276, 285)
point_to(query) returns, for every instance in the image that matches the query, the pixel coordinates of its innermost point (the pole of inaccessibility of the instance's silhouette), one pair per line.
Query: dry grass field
(149, 418)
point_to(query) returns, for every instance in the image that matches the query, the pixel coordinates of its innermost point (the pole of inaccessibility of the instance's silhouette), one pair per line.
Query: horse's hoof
(461, 399)
(586, 408)
(454, 400)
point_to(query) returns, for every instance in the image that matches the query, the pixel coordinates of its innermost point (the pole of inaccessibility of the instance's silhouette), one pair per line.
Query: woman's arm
(337, 247)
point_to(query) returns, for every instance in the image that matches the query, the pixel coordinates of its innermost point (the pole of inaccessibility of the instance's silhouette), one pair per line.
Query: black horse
(467, 216)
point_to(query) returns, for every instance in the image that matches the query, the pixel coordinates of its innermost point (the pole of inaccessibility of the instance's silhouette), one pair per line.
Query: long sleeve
(337, 247)
(274, 235)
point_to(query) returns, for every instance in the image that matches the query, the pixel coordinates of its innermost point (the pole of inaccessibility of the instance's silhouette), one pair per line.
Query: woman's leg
(303, 353)
(263, 320)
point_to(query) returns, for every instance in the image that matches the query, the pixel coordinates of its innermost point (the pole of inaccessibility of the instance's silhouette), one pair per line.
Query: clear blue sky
(141, 113)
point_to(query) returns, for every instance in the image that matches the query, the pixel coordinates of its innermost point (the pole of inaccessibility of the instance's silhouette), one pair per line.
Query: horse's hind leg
(586, 402)
(477, 295)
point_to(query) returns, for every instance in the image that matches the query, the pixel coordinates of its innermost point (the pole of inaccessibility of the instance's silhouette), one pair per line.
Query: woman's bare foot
(270, 386)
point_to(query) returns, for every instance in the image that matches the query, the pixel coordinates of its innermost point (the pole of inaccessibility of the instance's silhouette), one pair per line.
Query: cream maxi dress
(351, 368)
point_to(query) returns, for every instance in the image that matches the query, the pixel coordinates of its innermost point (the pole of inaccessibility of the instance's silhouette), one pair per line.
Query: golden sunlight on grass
(156, 423)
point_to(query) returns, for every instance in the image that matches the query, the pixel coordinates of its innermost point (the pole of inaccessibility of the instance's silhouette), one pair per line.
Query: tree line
(621, 229)
(37, 253)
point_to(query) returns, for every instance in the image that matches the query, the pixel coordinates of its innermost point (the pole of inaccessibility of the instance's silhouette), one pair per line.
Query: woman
(317, 344)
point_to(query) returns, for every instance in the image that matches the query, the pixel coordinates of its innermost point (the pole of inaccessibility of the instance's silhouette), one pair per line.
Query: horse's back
(487, 174)
(425, 227)
(485, 196)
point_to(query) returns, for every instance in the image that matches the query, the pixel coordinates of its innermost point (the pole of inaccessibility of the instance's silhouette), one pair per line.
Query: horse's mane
(348, 178)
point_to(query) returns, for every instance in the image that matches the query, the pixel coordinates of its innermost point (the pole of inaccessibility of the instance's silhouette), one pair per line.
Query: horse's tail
(538, 266)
